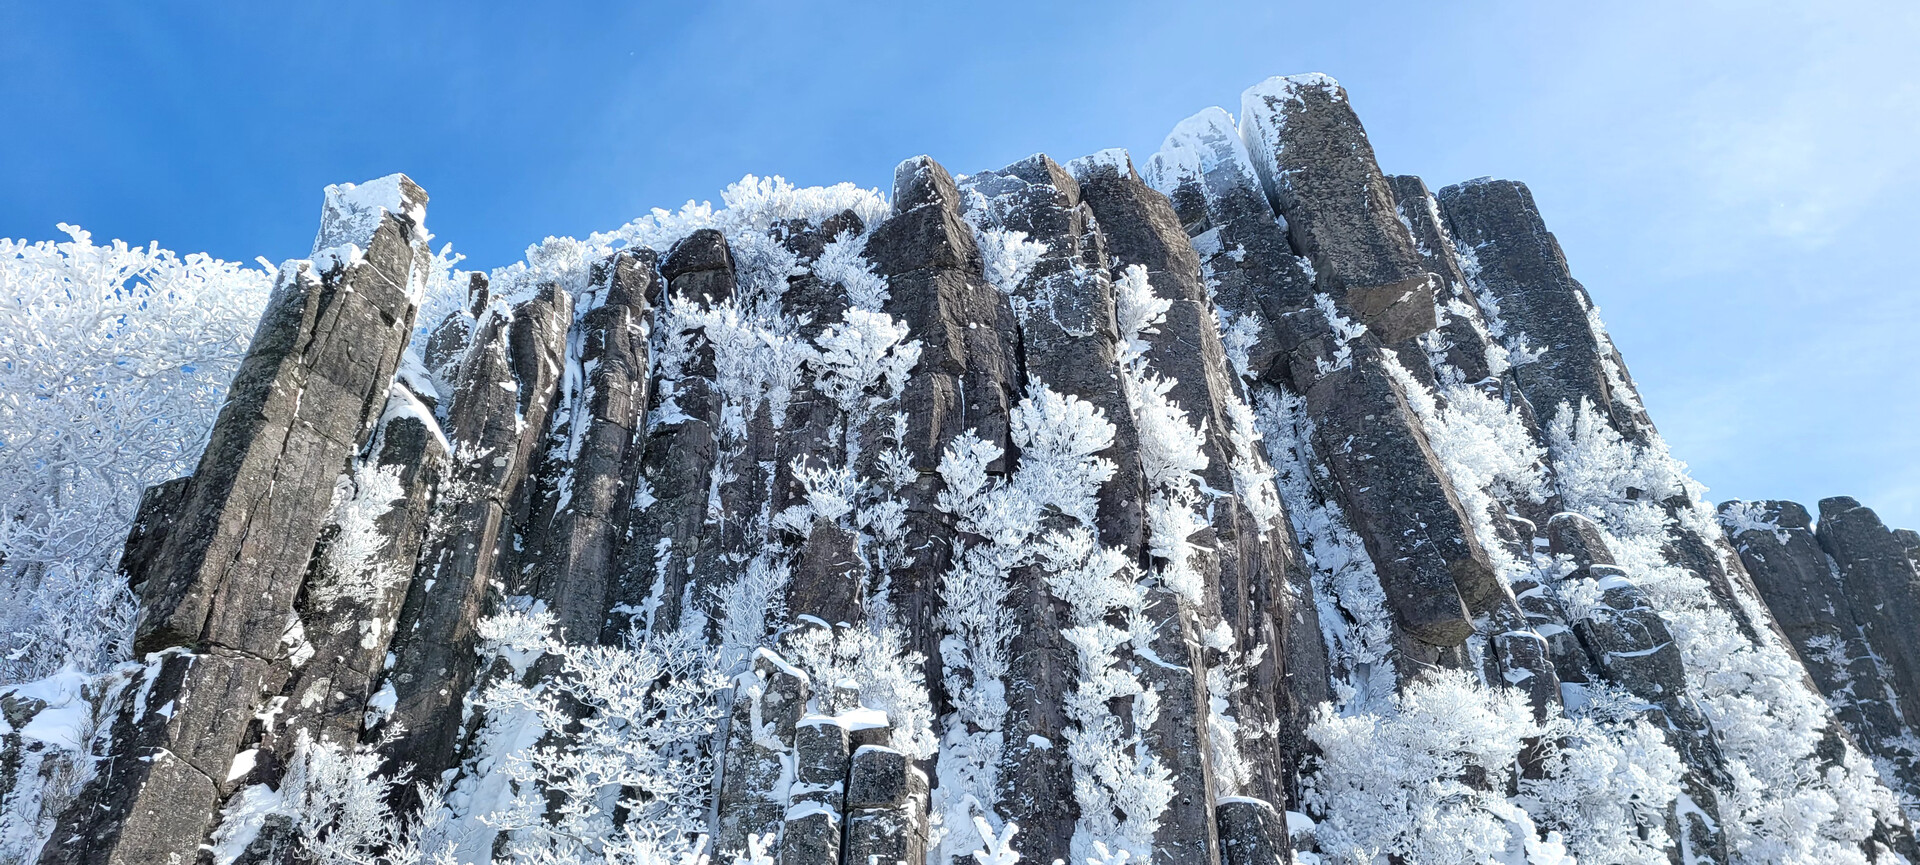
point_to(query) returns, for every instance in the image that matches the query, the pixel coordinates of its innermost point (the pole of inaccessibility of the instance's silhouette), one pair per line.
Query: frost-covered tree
(1412, 783)
(1784, 803)
(114, 360)
(630, 781)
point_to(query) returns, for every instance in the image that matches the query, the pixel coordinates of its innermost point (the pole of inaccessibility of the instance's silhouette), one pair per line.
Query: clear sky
(1734, 182)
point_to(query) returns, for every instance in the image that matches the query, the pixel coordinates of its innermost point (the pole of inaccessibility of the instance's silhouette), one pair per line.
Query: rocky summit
(1238, 505)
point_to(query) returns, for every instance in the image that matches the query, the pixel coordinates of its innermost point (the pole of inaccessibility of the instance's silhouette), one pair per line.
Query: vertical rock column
(751, 793)
(886, 808)
(1141, 228)
(1246, 258)
(1319, 172)
(596, 445)
(681, 428)
(967, 377)
(1521, 276)
(1516, 261)
(1254, 281)
(1068, 339)
(1631, 646)
(1881, 587)
(830, 576)
(352, 599)
(1805, 591)
(220, 593)
(504, 390)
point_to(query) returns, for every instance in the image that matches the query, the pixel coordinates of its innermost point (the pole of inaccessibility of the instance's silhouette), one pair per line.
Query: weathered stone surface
(1881, 586)
(1430, 564)
(886, 808)
(160, 509)
(700, 267)
(608, 465)
(220, 591)
(178, 735)
(811, 837)
(349, 607)
(751, 792)
(1844, 598)
(967, 374)
(592, 467)
(1319, 172)
(1629, 645)
(682, 429)
(507, 387)
(1250, 267)
(1065, 312)
(1141, 229)
(1068, 340)
(1520, 264)
(967, 377)
(1804, 590)
(1252, 832)
(1462, 326)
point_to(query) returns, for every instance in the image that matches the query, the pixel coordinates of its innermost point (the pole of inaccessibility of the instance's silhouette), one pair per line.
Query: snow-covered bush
(114, 360)
(1604, 781)
(890, 677)
(1783, 805)
(1171, 448)
(1007, 256)
(1043, 515)
(625, 777)
(1422, 781)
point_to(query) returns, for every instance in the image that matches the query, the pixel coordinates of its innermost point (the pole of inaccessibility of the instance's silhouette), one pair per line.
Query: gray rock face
(1321, 176)
(507, 383)
(1141, 229)
(967, 375)
(1252, 833)
(768, 701)
(353, 601)
(1880, 583)
(220, 591)
(886, 808)
(1319, 172)
(646, 442)
(1517, 262)
(1844, 595)
(592, 458)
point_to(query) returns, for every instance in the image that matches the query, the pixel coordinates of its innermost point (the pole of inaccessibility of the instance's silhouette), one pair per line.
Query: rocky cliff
(1242, 504)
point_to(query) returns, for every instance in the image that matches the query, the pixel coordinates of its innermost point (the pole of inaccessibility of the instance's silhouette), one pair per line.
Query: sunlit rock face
(1242, 503)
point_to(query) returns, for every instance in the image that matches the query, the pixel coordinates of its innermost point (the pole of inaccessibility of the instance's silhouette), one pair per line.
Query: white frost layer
(1087, 167)
(862, 718)
(1263, 120)
(352, 211)
(67, 720)
(1198, 147)
(241, 821)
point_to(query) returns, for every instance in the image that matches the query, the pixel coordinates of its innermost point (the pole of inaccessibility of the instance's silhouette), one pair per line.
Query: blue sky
(1734, 182)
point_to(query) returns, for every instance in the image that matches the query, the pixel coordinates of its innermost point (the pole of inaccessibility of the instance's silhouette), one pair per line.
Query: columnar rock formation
(1142, 507)
(1846, 591)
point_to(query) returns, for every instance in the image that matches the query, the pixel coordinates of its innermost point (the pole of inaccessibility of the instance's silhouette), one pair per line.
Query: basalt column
(219, 595)
(1318, 170)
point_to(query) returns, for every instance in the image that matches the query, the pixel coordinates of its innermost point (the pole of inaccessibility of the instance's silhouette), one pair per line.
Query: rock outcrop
(1132, 507)
(1846, 592)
